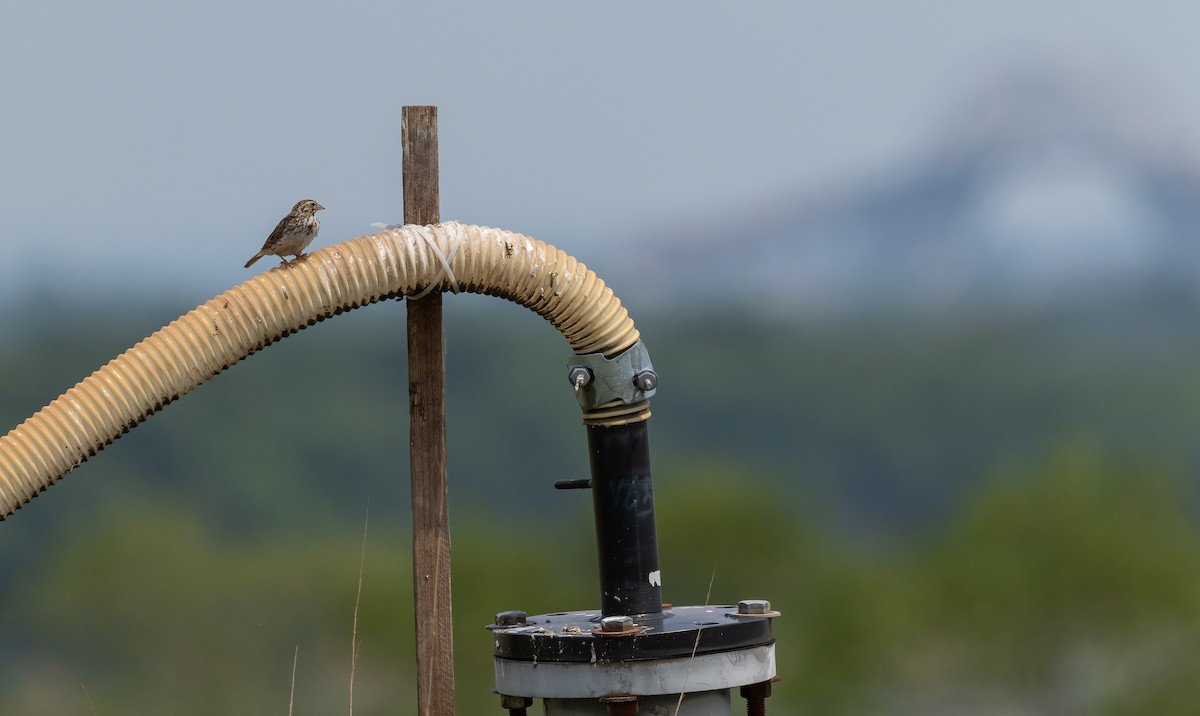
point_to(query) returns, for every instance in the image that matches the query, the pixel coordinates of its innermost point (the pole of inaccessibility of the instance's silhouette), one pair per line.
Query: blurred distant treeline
(990, 514)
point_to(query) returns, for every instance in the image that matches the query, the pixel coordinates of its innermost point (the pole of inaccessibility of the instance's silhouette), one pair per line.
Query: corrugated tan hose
(396, 262)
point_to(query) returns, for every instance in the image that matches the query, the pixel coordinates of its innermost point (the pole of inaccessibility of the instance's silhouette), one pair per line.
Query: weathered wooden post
(427, 435)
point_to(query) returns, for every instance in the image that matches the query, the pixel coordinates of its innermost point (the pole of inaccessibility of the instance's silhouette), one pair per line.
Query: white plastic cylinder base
(573, 680)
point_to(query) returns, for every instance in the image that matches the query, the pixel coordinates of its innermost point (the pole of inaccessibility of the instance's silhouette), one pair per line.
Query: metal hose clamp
(627, 376)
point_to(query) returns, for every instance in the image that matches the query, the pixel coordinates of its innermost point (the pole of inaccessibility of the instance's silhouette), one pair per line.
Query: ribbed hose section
(272, 305)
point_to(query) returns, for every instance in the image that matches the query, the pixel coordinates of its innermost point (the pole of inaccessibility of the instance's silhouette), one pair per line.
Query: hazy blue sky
(160, 142)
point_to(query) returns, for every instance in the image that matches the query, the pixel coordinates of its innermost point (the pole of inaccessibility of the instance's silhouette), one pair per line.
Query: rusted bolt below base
(756, 697)
(516, 705)
(621, 705)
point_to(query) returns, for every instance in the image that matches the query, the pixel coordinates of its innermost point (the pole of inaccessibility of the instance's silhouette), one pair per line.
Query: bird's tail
(256, 257)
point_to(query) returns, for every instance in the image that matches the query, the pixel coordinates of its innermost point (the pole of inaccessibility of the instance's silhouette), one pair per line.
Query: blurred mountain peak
(1044, 107)
(1045, 187)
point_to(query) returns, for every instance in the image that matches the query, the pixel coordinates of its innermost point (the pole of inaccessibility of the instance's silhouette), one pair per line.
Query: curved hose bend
(396, 262)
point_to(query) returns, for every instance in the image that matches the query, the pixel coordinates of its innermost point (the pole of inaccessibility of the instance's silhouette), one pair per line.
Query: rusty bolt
(756, 698)
(621, 705)
(516, 705)
(754, 606)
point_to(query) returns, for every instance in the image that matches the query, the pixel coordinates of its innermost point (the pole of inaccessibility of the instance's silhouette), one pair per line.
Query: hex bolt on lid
(515, 617)
(616, 626)
(754, 608)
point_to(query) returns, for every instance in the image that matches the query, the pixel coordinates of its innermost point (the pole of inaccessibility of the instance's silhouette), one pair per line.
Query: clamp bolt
(646, 380)
(579, 376)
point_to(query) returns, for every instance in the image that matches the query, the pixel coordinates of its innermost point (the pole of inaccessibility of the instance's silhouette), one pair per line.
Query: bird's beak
(319, 207)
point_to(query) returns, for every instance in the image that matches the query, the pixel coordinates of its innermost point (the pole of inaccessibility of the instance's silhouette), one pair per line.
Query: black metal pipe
(626, 536)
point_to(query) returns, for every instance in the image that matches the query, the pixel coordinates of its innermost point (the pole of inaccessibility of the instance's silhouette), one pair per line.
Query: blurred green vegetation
(994, 516)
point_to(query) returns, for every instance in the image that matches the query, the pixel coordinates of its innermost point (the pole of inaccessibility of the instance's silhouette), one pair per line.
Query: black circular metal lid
(578, 636)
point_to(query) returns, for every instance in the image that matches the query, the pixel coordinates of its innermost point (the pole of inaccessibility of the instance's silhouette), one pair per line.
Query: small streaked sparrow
(293, 234)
